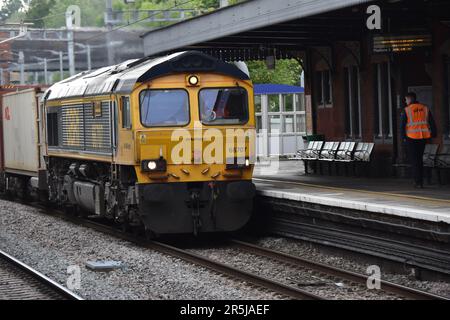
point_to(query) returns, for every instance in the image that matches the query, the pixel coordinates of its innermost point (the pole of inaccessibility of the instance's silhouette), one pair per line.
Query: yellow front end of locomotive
(193, 128)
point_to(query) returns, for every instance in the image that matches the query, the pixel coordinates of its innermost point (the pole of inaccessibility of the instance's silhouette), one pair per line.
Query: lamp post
(22, 67)
(109, 28)
(70, 45)
(61, 65)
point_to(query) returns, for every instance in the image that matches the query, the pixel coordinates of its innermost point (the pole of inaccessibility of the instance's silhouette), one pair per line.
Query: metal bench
(344, 155)
(329, 151)
(363, 151)
(328, 154)
(363, 154)
(305, 152)
(443, 161)
(345, 152)
(311, 153)
(429, 160)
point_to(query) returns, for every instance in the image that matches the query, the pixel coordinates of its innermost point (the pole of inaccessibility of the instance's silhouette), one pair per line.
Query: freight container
(22, 148)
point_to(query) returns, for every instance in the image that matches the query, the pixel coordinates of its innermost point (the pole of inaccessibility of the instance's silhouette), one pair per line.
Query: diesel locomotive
(165, 143)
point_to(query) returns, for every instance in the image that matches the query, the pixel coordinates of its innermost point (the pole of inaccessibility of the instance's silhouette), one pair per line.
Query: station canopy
(257, 29)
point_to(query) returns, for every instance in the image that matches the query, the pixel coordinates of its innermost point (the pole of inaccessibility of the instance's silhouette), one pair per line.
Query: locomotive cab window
(161, 108)
(126, 113)
(223, 106)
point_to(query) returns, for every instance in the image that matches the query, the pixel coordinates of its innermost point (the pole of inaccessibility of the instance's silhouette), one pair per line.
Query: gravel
(51, 245)
(317, 283)
(309, 251)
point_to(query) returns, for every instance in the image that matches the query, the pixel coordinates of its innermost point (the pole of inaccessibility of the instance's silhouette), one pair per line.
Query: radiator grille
(83, 128)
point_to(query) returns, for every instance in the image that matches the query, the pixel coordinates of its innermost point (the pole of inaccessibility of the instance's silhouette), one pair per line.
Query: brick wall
(420, 68)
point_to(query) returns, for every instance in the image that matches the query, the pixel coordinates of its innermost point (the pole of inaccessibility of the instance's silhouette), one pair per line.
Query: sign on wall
(401, 43)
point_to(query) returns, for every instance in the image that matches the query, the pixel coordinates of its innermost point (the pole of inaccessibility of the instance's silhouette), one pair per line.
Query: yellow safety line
(355, 190)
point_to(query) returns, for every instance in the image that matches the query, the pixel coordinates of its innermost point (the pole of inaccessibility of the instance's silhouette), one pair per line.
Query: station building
(280, 119)
(359, 57)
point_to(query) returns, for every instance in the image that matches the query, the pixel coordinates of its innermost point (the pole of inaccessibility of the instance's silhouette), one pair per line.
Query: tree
(38, 10)
(51, 13)
(9, 9)
(286, 72)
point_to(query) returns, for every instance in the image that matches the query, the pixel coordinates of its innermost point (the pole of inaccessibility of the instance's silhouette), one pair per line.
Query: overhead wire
(138, 21)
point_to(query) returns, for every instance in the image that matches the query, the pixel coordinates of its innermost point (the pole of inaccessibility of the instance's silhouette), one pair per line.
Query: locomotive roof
(123, 77)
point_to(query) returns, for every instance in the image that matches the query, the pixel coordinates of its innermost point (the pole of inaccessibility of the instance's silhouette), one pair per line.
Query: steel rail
(405, 253)
(386, 286)
(266, 283)
(192, 258)
(41, 278)
(233, 272)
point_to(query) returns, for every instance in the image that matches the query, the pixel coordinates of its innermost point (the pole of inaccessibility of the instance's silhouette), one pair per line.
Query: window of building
(289, 117)
(324, 90)
(275, 124)
(259, 125)
(289, 124)
(301, 123)
(259, 113)
(383, 104)
(258, 106)
(274, 103)
(126, 113)
(326, 84)
(288, 102)
(300, 102)
(352, 102)
(446, 110)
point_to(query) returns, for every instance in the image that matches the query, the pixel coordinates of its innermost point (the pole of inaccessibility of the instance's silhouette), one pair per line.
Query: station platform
(386, 219)
(396, 197)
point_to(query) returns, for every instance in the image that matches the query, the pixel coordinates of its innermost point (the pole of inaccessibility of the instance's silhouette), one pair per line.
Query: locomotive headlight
(247, 162)
(193, 80)
(151, 165)
(156, 165)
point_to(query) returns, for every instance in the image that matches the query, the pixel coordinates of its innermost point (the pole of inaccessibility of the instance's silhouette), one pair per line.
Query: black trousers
(416, 149)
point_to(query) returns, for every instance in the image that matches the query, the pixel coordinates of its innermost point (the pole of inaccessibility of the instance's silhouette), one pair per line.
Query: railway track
(265, 283)
(422, 247)
(390, 250)
(19, 281)
(339, 274)
(228, 270)
(177, 252)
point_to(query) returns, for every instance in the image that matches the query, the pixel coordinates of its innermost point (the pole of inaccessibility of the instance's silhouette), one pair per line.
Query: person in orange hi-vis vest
(417, 127)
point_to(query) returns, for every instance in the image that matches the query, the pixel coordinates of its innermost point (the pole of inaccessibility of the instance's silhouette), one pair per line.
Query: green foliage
(50, 13)
(39, 9)
(9, 9)
(286, 72)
